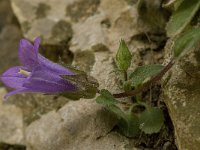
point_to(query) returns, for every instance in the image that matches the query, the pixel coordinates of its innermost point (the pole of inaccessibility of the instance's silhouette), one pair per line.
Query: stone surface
(77, 125)
(11, 117)
(6, 14)
(44, 18)
(103, 71)
(104, 23)
(11, 122)
(35, 105)
(10, 35)
(9, 47)
(88, 34)
(181, 94)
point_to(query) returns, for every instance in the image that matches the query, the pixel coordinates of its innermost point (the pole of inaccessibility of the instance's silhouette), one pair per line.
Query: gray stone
(35, 105)
(77, 125)
(104, 23)
(115, 20)
(88, 34)
(50, 19)
(181, 94)
(103, 71)
(9, 39)
(11, 122)
(10, 35)
(80, 10)
(6, 14)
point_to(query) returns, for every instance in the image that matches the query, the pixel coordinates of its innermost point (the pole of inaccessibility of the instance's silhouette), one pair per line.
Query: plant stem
(147, 84)
(125, 76)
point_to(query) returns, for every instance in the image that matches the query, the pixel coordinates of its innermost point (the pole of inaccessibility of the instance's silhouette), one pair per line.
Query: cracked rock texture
(77, 125)
(181, 94)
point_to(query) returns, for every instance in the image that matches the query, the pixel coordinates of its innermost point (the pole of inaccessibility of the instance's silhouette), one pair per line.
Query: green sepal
(87, 86)
(123, 56)
(106, 98)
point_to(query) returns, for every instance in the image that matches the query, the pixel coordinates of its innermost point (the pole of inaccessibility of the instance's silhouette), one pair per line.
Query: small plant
(150, 119)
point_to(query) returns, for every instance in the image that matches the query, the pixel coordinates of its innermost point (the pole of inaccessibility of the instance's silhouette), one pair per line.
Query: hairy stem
(125, 76)
(147, 84)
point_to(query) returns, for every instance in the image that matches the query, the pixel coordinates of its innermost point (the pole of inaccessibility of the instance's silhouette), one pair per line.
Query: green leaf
(186, 41)
(129, 126)
(123, 57)
(117, 111)
(128, 123)
(144, 72)
(182, 17)
(151, 120)
(175, 3)
(106, 98)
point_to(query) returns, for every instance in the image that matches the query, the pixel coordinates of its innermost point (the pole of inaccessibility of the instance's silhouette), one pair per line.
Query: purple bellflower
(37, 74)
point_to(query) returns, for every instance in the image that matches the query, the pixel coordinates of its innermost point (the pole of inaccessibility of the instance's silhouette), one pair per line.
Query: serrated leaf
(128, 123)
(144, 72)
(123, 57)
(186, 41)
(151, 120)
(182, 17)
(106, 98)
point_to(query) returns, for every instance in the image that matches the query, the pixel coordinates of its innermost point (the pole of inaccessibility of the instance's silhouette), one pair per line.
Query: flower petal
(53, 67)
(36, 44)
(47, 82)
(12, 78)
(19, 91)
(28, 53)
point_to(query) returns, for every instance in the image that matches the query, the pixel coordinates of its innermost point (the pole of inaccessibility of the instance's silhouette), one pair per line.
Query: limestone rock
(11, 122)
(88, 34)
(77, 125)
(35, 105)
(89, 24)
(6, 14)
(51, 20)
(103, 71)
(9, 47)
(181, 95)
(10, 35)
(2, 93)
